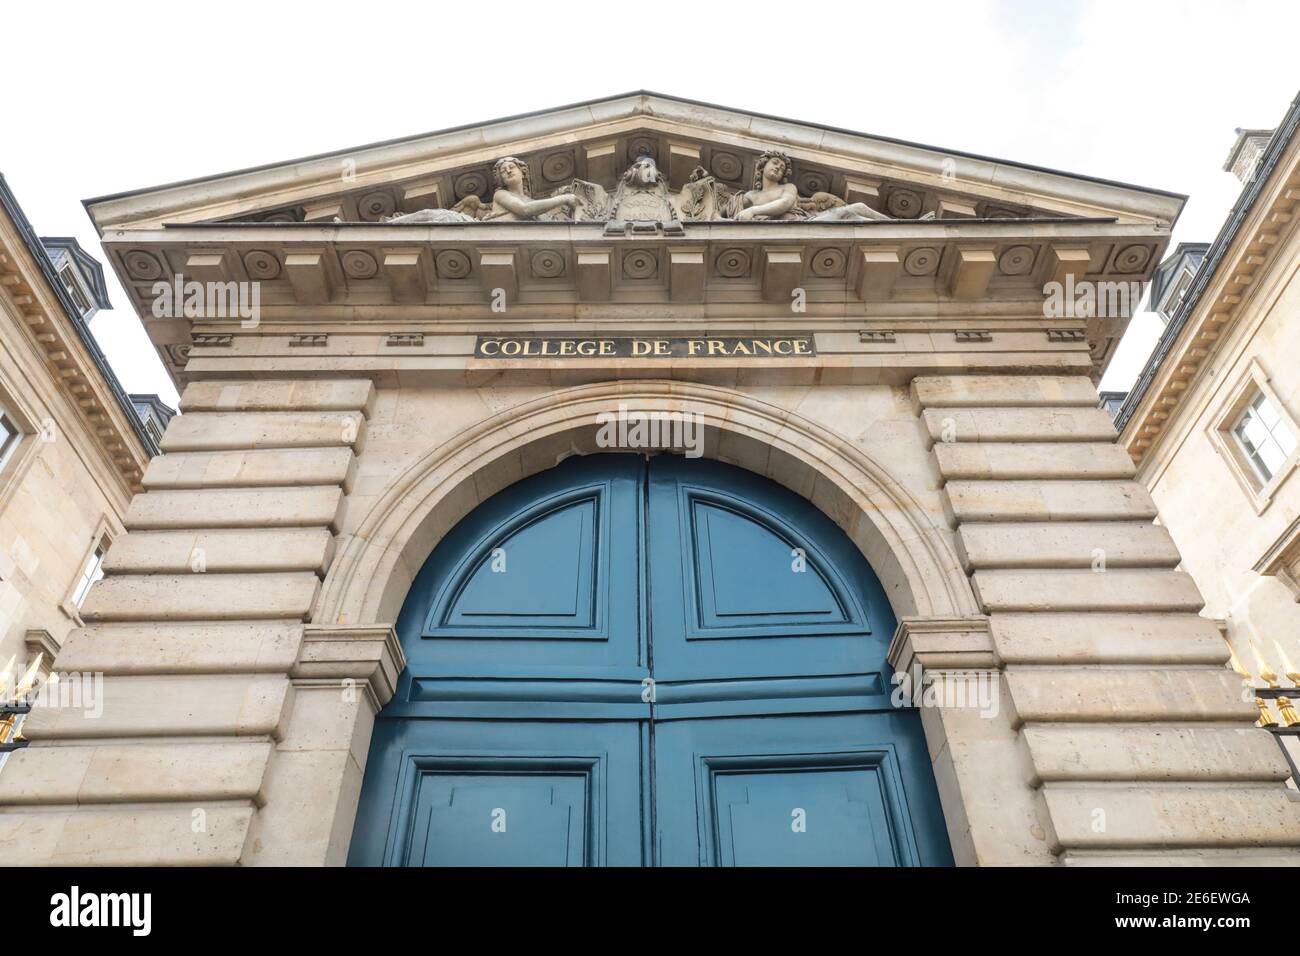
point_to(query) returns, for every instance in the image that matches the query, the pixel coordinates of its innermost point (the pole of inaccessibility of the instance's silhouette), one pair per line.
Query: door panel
(760, 590)
(750, 581)
(496, 819)
(526, 654)
(826, 790)
(542, 580)
(509, 793)
(555, 554)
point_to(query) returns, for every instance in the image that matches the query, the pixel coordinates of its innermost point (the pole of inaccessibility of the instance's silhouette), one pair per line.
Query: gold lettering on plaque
(710, 347)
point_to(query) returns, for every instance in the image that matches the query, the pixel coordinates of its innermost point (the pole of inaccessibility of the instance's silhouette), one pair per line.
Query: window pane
(74, 290)
(1273, 457)
(93, 571)
(1267, 413)
(1266, 439)
(1284, 438)
(1252, 431)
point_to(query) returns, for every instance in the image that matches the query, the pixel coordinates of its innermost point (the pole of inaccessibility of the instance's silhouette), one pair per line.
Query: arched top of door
(911, 553)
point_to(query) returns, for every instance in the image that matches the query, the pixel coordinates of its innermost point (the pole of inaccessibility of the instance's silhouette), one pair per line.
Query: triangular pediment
(597, 141)
(862, 220)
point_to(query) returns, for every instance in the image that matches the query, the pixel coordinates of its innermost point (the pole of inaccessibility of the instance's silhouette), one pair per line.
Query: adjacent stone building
(412, 585)
(1212, 419)
(72, 450)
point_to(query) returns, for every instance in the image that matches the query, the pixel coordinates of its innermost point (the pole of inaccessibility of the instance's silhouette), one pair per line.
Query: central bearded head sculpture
(643, 173)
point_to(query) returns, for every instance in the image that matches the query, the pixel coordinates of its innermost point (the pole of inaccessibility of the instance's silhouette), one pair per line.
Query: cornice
(422, 164)
(309, 275)
(71, 365)
(1222, 297)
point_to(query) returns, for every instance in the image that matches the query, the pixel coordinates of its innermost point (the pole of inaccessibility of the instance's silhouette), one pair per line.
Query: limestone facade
(72, 453)
(945, 423)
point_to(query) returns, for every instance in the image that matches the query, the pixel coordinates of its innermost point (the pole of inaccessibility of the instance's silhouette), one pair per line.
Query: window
(1184, 283)
(74, 290)
(1265, 438)
(92, 572)
(1256, 436)
(92, 568)
(10, 436)
(16, 445)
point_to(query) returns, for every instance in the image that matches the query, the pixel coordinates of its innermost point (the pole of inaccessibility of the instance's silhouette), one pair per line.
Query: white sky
(108, 97)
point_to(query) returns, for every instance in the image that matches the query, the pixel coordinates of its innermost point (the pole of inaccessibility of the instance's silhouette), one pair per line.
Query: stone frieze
(643, 194)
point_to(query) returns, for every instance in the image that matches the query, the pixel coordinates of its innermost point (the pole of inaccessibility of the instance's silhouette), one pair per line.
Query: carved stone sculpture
(592, 202)
(643, 195)
(511, 199)
(703, 197)
(431, 215)
(773, 196)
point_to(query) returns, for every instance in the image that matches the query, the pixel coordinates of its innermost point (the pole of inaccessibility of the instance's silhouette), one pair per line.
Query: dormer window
(70, 283)
(1180, 290)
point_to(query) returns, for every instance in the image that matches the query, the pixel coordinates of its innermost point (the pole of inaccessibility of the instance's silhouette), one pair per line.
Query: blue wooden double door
(647, 661)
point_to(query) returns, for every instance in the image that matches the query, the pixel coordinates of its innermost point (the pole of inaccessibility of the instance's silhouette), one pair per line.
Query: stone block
(1200, 857)
(1032, 460)
(249, 469)
(219, 431)
(135, 773)
(181, 552)
(1172, 816)
(1128, 694)
(279, 396)
(1003, 391)
(307, 793)
(183, 648)
(134, 837)
(208, 596)
(1049, 501)
(1069, 590)
(310, 506)
(1018, 425)
(1161, 752)
(1066, 544)
(1099, 638)
(170, 706)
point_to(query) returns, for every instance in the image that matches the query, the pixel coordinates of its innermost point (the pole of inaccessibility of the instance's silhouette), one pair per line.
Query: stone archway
(912, 555)
(910, 551)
